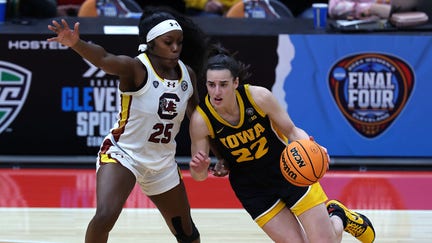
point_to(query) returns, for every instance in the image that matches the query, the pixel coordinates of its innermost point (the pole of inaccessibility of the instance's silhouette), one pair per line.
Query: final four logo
(371, 90)
(14, 87)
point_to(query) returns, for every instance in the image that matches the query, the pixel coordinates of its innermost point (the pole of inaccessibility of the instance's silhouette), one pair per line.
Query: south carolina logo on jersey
(371, 90)
(14, 86)
(168, 106)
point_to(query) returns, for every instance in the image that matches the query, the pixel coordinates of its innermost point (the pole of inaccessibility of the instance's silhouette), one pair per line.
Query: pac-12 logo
(14, 87)
(371, 90)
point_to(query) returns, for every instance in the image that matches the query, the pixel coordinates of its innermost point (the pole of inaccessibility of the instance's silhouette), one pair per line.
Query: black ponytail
(220, 58)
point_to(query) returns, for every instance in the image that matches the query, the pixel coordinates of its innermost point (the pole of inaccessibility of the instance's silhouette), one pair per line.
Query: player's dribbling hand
(325, 149)
(221, 168)
(65, 35)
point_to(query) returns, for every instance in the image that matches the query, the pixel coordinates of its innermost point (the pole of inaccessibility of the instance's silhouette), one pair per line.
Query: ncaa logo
(14, 87)
(371, 90)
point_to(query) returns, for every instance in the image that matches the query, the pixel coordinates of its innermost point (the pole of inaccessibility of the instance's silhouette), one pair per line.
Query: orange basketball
(303, 162)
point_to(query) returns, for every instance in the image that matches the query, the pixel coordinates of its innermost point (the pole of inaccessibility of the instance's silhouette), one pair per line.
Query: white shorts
(152, 182)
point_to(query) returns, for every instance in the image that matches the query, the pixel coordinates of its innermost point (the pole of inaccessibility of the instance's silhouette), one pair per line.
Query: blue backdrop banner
(359, 95)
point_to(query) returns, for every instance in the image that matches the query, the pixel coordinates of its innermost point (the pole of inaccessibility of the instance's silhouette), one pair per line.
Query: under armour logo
(171, 84)
(174, 23)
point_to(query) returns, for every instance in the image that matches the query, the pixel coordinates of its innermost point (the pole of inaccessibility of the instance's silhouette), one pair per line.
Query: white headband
(160, 29)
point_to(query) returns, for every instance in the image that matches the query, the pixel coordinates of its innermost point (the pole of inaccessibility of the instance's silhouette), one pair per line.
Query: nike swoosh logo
(220, 130)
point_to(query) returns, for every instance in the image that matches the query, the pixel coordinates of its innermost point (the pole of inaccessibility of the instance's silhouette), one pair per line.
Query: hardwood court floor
(55, 206)
(67, 225)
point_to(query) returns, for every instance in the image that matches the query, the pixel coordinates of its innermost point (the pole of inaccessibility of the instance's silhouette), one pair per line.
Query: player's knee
(104, 221)
(180, 235)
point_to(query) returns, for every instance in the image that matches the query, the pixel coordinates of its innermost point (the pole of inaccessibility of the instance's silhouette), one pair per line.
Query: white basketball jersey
(150, 118)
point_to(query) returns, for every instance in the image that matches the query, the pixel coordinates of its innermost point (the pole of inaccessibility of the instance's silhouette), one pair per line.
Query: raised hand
(65, 35)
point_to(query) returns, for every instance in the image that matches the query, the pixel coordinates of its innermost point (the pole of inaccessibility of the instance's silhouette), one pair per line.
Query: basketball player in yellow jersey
(248, 126)
(156, 90)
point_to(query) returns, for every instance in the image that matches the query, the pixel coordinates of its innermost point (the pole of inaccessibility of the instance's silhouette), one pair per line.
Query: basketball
(303, 162)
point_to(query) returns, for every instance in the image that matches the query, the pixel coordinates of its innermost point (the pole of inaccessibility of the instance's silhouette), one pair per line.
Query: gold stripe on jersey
(278, 133)
(263, 114)
(267, 216)
(152, 69)
(179, 173)
(157, 75)
(105, 158)
(220, 119)
(207, 121)
(125, 101)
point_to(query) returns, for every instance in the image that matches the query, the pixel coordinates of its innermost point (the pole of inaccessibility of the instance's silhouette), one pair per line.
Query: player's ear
(236, 81)
(151, 45)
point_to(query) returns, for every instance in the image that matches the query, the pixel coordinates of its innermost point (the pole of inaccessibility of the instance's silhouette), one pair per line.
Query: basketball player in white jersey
(156, 90)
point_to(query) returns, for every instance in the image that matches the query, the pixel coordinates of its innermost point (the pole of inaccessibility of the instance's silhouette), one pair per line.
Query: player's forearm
(198, 175)
(297, 133)
(92, 52)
